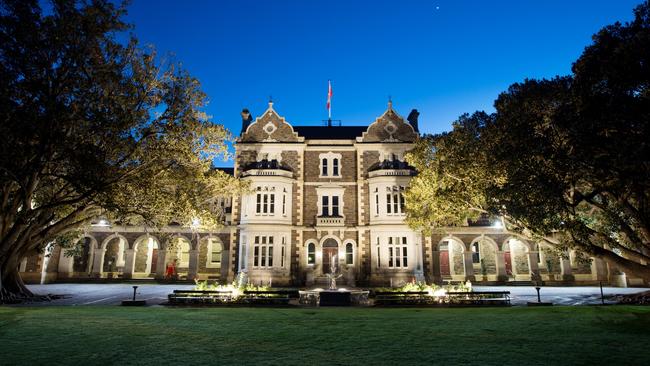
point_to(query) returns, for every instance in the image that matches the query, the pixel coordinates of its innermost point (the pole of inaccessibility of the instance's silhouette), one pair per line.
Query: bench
(199, 297)
(480, 298)
(272, 297)
(422, 298)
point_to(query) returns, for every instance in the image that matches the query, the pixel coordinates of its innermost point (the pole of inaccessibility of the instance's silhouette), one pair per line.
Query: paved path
(155, 294)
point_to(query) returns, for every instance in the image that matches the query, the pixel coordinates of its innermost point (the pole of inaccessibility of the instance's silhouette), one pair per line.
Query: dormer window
(330, 165)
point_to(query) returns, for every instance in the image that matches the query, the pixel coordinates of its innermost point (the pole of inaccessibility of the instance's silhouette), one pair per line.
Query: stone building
(320, 195)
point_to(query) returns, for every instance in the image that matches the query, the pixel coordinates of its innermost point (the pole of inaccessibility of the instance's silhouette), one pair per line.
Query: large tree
(564, 160)
(92, 126)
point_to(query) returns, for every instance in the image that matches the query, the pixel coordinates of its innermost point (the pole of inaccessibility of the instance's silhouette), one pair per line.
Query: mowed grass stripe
(267, 336)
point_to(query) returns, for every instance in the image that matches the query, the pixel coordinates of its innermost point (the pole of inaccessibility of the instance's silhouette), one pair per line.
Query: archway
(484, 253)
(516, 259)
(114, 255)
(549, 262)
(330, 254)
(82, 260)
(146, 250)
(452, 262)
(178, 250)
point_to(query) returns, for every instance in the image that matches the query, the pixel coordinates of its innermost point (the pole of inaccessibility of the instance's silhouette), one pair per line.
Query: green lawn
(616, 335)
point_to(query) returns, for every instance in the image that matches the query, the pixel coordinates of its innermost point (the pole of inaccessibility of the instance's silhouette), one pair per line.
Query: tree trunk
(13, 289)
(628, 266)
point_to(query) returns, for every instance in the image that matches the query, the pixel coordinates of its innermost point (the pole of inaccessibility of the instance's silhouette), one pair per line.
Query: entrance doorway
(330, 254)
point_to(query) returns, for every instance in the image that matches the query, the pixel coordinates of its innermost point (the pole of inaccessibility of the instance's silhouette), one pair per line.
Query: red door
(444, 263)
(154, 261)
(508, 263)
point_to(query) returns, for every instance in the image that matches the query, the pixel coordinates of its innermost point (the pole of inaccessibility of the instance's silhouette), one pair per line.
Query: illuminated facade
(319, 194)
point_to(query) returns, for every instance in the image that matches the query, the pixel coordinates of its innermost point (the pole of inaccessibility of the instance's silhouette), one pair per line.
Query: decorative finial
(390, 102)
(270, 101)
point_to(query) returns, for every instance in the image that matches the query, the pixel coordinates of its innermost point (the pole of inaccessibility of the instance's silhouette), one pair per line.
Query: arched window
(324, 167)
(335, 167)
(311, 253)
(349, 257)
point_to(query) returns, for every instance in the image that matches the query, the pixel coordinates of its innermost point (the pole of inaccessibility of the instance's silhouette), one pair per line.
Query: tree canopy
(92, 126)
(564, 160)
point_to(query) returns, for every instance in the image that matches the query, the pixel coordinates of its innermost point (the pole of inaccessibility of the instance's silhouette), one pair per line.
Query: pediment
(270, 127)
(389, 127)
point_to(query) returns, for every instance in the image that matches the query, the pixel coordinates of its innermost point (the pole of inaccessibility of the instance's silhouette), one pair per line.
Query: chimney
(413, 119)
(246, 119)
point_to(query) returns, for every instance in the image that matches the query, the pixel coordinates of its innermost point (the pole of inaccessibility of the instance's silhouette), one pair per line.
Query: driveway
(112, 294)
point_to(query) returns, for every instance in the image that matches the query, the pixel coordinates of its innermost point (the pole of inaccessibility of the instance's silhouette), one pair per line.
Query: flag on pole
(329, 99)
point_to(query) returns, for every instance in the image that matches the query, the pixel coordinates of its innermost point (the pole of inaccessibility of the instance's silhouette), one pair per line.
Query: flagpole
(329, 102)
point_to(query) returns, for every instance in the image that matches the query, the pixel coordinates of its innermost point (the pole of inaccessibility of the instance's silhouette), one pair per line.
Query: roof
(330, 132)
(227, 170)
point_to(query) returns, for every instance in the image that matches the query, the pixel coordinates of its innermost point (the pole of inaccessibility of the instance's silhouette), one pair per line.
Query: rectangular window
(395, 203)
(258, 207)
(377, 204)
(256, 252)
(265, 203)
(283, 254)
(326, 207)
(284, 204)
(335, 205)
(378, 256)
(335, 167)
(401, 200)
(272, 203)
(397, 252)
(324, 172)
(263, 251)
(388, 205)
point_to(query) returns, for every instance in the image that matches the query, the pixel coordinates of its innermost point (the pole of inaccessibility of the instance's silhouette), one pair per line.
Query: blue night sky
(442, 57)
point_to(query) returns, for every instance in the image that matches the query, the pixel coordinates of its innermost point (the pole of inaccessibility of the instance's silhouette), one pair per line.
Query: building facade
(323, 198)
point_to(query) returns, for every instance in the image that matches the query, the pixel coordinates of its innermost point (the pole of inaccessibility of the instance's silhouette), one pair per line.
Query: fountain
(333, 296)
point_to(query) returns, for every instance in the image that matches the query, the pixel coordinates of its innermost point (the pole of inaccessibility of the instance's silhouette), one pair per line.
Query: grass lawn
(616, 335)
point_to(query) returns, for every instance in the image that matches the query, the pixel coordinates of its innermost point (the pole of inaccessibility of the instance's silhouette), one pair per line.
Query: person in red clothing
(170, 271)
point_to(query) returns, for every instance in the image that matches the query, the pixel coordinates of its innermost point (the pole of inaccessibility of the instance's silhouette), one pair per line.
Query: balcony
(330, 221)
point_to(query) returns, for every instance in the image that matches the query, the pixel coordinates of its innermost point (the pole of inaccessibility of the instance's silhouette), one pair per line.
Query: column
(469, 266)
(533, 265)
(193, 268)
(129, 263)
(98, 262)
(161, 264)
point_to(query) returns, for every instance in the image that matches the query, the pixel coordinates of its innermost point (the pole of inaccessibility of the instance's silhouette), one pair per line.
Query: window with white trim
(265, 201)
(283, 251)
(330, 165)
(311, 253)
(284, 201)
(263, 251)
(378, 254)
(349, 254)
(394, 200)
(214, 253)
(397, 252)
(330, 206)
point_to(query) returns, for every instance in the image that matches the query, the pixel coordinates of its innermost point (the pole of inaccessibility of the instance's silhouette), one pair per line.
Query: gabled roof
(330, 132)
